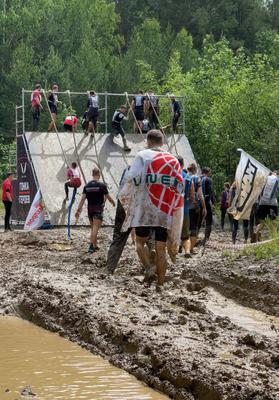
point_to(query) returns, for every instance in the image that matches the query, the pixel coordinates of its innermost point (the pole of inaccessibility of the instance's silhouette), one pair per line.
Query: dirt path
(190, 341)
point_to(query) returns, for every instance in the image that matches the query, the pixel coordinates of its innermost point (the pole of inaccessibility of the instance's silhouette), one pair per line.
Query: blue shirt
(187, 183)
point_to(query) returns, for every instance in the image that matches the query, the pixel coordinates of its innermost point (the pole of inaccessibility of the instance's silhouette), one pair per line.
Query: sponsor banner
(35, 217)
(24, 186)
(153, 192)
(250, 179)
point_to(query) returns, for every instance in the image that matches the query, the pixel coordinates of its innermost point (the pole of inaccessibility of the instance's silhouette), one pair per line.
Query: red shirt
(70, 120)
(7, 187)
(36, 98)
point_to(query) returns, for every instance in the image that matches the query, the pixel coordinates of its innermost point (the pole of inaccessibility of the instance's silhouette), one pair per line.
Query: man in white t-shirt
(152, 198)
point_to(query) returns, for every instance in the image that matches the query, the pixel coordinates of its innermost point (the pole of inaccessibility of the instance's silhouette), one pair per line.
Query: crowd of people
(197, 202)
(144, 108)
(164, 203)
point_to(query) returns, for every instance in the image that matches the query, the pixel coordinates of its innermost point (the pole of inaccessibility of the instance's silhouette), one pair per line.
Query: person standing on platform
(175, 106)
(97, 194)
(92, 111)
(139, 105)
(117, 118)
(36, 106)
(153, 109)
(71, 123)
(7, 199)
(52, 100)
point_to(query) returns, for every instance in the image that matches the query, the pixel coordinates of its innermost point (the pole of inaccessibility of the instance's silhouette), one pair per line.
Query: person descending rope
(70, 123)
(74, 179)
(153, 109)
(52, 100)
(92, 111)
(97, 194)
(152, 199)
(189, 195)
(36, 106)
(117, 118)
(175, 106)
(139, 108)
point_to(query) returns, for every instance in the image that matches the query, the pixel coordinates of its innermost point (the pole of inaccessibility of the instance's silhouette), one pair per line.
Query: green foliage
(264, 251)
(7, 158)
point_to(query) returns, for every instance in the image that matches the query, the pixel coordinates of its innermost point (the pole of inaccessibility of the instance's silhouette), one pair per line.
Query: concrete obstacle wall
(50, 166)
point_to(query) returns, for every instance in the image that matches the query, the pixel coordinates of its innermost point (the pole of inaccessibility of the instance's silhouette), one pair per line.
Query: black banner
(24, 186)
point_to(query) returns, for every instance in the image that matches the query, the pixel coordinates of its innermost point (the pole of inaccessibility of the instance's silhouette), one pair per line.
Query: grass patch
(264, 251)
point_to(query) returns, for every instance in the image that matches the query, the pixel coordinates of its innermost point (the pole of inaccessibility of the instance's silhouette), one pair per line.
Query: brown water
(248, 318)
(57, 369)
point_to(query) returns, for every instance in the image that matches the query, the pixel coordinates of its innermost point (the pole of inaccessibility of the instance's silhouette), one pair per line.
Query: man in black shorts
(117, 118)
(138, 105)
(97, 194)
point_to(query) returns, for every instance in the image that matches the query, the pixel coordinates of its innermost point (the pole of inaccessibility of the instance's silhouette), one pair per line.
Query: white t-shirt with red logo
(153, 192)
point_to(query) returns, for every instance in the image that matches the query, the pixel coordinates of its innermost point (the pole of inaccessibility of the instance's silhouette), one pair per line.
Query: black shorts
(53, 109)
(266, 211)
(118, 130)
(161, 234)
(93, 114)
(68, 128)
(194, 214)
(95, 215)
(139, 114)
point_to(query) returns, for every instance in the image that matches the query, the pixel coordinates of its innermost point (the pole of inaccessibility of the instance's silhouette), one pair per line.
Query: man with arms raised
(152, 198)
(97, 194)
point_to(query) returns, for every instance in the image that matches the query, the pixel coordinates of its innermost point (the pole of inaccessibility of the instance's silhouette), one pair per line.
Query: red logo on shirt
(165, 183)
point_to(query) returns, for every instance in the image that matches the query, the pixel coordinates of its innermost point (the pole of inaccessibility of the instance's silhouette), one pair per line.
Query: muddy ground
(194, 340)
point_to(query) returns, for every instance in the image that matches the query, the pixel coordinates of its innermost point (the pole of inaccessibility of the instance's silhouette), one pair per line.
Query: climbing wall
(50, 165)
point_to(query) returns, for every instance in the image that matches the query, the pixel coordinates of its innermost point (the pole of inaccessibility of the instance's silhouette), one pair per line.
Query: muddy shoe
(150, 275)
(91, 248)
(188, 255)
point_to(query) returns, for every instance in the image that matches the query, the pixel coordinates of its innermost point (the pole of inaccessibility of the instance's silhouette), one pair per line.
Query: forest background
(222, 55)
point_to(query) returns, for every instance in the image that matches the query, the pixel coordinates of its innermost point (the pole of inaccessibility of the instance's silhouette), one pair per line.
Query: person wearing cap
(175, 106)
(36, 106)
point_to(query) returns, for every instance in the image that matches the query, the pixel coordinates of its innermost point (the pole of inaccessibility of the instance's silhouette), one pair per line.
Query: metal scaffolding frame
(106, 95)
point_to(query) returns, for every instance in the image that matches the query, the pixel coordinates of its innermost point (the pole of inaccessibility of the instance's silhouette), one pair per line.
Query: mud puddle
(55, 368)
(247, 318)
